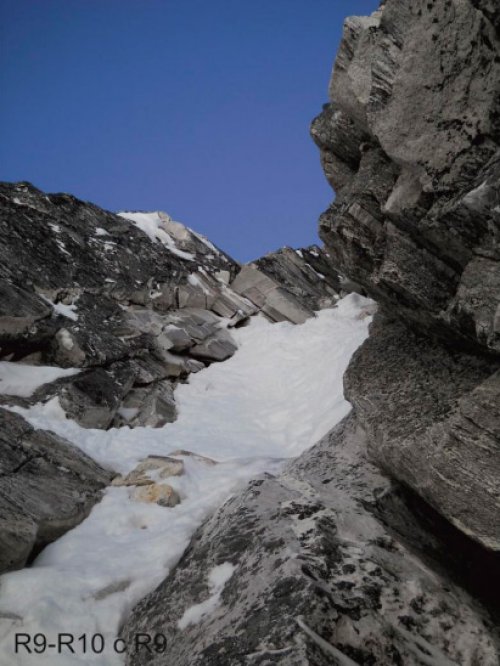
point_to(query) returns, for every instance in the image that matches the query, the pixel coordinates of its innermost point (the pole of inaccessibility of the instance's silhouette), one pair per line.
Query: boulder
(152, 405)
(274, 301)
(158, 493)
(47, 487)
(162, 466)
(217, 347)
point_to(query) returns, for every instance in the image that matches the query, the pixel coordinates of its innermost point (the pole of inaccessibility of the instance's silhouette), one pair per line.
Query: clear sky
(200, 108)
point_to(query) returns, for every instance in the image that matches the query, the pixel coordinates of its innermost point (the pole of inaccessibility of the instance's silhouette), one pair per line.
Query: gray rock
(432, 418)
(269, 297)
(217, 347)
(47, 487)
(92, 398)
(152, 405)
(306, 273)
(411, 142)
(324, 573)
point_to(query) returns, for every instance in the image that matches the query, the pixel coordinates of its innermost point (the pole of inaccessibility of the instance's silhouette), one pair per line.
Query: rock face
(290, 284)
(329, 567)
(47, 486)
(411, 142)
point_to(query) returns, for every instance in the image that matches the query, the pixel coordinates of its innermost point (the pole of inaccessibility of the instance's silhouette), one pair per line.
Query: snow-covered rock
(329, 565)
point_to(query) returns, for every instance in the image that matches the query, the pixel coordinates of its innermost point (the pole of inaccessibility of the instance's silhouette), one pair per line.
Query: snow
(62, 309)
(320, 275)
(217, 579)
(99, 231)
(23, 380)
(151, 225)
(195, 281)
(279, 393)
(62, 247)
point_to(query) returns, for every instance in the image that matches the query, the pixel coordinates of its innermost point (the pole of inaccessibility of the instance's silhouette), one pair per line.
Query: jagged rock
(269, 297)
(432, 416)
(157, 493)
(84, 288)
(93, 397)
(323, 572)
(306, 273)
(411, 140)
(217, 347)
(47, 487)
(163, 466)
(152, 405)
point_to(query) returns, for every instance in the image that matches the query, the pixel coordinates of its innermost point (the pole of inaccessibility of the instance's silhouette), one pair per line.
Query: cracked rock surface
(330, 567)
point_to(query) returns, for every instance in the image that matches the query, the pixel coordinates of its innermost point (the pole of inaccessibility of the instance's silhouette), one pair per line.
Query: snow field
(273, 399)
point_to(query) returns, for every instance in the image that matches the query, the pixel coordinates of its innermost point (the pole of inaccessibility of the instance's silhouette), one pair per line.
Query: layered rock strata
(411, 142)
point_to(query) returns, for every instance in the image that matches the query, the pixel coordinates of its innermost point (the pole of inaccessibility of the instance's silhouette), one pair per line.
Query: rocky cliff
(381, 544)
(411, 142)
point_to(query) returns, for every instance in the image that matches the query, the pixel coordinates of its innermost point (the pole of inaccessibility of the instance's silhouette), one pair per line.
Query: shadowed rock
(47, 487)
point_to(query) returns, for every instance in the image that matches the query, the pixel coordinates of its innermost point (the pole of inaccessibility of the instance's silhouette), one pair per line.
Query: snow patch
(23, 380)
(217, 579)
(152, 225)
(62, 309)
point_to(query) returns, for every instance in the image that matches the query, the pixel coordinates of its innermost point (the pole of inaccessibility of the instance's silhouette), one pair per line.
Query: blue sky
(200, 108)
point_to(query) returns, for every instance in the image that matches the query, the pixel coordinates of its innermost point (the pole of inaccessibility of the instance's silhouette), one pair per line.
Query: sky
(200, 108)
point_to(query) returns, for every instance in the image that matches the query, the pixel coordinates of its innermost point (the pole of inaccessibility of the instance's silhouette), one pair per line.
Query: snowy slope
(277, 396)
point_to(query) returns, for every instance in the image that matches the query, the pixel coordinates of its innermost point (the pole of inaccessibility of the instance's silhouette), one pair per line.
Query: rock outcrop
(290, 284)
(47, 486)
(411, 142)
(330, 566)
